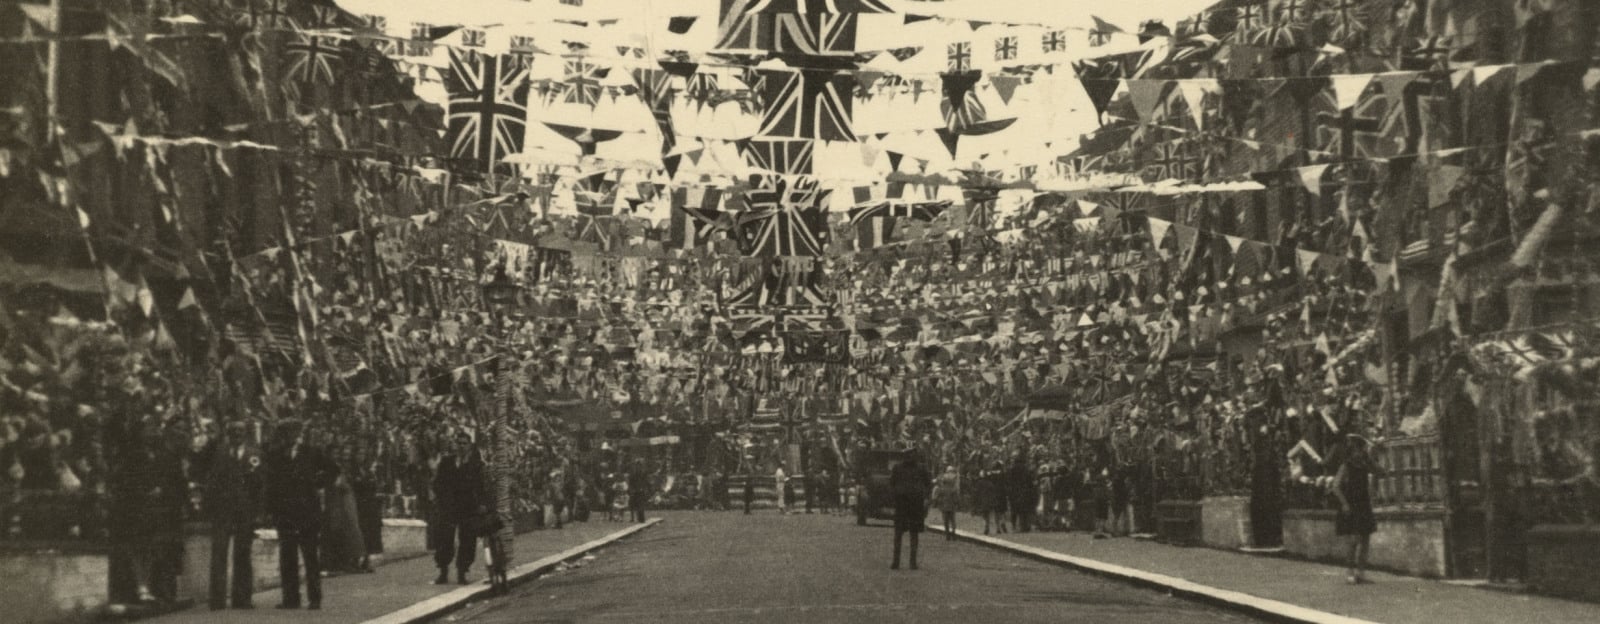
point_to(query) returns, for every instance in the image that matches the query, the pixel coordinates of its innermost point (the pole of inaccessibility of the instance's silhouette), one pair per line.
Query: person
(343, 546)
(1022, 494)
(990, 501)
(459, 497)
(780, 481)
(809, 484)
(233, 491)
(749, 492)
(555, 493)
(297, 473)
(638, 490)
(827, 499)
(141, 493)
(619, 498)
(1351, 487)
(908, 481)
(365, 484)
(946, 495)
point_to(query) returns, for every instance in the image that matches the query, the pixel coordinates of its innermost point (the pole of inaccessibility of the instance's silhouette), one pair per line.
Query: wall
(1561, 560)
(75, 581)
(1407, 541)
(1225, 521)
(49, 585)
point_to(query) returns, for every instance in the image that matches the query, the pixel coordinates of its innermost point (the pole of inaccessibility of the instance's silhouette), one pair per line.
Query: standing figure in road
(909, 482)
(459, 497)
(233, 489)
(1352, 487)
(297, 475)
(749, 492)
(946, 495)
(780, 480)
(989, 503)
(639, 490)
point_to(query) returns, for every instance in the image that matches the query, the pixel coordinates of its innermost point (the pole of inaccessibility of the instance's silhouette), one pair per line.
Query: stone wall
(1407, 541)
(1561, 561)
(1225, 521)
(76, 582)
(46, 585)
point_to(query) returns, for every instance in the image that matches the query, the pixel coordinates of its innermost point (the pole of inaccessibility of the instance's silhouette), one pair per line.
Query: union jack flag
(1055, 41)
(274, 14)
(1005, 49)
(474, 38)
(656, 89)
(921, 211)
(1172, 161)
(960, 105)
(1346, 20)
(311, 58)
(594, 195)
(824, 346)
(816, 6)
(959, 56)
(1356, 132)
(785, 219)
(488, 105)
(1247, 20)
(780, 156)
(583, 81)
(807, 34)
(696, 217)
(807, 104)
(795, 291)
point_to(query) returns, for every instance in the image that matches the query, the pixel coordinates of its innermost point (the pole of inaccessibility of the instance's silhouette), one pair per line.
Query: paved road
(729, 567)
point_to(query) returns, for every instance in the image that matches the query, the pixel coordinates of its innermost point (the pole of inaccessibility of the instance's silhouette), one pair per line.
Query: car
(872, 468)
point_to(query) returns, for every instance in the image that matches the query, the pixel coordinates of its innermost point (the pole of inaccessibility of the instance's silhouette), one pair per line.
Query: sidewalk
(1282, 589)
(403, 591)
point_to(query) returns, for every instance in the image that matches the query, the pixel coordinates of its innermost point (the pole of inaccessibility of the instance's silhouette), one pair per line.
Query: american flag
(488, 105)
(583, 81)
(807, 104)
(785, 219)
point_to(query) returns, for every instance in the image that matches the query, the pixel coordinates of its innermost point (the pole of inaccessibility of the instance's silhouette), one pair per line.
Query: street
(729, 567)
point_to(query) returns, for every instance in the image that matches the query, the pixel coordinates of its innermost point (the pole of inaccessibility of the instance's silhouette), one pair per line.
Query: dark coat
(910, 483)
(234, 485)
(294, 485)
(459, 489)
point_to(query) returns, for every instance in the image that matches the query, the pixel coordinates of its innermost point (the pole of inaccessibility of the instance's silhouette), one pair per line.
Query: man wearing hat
(296, 476)
(233, 491)
(460, 496)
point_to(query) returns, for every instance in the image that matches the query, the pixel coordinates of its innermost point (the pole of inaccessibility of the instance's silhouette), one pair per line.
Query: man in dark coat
(233, 492)
(909, 483)
(638, 490)
(459, 497)
(296, 476)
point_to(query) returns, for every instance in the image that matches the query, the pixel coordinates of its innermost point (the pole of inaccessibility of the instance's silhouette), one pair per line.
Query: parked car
(872, 470)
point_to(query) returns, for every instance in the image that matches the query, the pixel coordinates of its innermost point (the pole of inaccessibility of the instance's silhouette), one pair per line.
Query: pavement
(402, 592)
(1280, 588)
(715, 567)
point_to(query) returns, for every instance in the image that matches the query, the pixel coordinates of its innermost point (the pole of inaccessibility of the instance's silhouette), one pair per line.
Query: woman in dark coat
(989, 503)
(1352, 488)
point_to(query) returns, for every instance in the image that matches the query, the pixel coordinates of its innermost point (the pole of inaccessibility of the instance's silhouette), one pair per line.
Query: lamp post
(498, 293)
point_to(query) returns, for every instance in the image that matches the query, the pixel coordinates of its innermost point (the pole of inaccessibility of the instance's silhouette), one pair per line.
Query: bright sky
(1052, 111)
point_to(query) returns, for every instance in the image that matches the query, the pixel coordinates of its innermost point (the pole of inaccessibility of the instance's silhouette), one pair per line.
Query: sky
(1051, 111)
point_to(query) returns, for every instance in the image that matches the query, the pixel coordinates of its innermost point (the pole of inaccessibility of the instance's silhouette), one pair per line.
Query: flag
(1054, 41)
(958, 57)
(807, 104)
(818, 6)
(655, 90)
(582, 81)
(594, 195)
(784, 219)
(1353, 133)
(823, 347)
(921, 211)
(1102, 32)
(1172, 161)
(873, 232)
(1005, 49)
(815, 35)
(696, 217)
(778, 156)
(488, 105)
(310, 57)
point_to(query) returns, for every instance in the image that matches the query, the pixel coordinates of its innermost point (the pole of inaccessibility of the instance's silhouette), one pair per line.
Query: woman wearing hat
(1352, 488)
